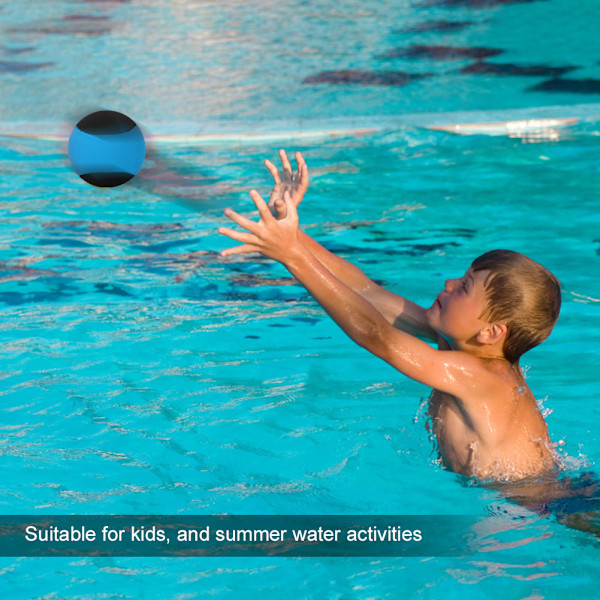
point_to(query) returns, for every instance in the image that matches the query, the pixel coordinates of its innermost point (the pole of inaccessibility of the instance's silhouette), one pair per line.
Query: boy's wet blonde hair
(522, 294)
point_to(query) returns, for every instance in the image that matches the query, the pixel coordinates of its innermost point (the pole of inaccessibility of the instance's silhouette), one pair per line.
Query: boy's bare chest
(450, 419)
(452, 430)
(446, 415)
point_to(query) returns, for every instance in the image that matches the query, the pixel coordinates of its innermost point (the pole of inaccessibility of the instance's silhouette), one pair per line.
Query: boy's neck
(484, 351)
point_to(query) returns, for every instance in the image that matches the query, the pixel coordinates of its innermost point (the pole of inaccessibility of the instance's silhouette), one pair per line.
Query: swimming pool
(144, 374)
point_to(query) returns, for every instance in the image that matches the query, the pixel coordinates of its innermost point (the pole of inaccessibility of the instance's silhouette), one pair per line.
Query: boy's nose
(449, 285)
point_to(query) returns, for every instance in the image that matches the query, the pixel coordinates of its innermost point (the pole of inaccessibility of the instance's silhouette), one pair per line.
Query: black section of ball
(105, 122)
(106, 179)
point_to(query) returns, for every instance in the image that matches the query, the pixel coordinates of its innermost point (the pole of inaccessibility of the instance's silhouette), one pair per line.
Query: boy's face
(455, 312)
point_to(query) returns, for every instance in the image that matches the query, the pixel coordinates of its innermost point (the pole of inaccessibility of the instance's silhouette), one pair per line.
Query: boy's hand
(272, 237)
(296, 186)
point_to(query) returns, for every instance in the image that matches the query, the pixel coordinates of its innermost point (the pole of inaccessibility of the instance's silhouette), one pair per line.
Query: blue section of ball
(97, 153)
(106, 159)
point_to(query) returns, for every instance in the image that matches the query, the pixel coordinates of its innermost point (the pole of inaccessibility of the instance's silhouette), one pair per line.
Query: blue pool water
(142, 373)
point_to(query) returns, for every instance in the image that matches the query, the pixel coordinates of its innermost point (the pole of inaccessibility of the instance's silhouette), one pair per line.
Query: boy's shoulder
(458, 373)
(491, 407)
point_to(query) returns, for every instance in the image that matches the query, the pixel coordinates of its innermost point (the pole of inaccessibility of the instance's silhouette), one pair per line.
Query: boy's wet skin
(502, 435)
(517, 447)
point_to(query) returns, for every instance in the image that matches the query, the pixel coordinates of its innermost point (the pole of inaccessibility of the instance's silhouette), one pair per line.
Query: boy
(485, 418)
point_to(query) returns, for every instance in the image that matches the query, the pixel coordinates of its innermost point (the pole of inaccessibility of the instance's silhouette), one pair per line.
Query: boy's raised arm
(448, 371)
(397, 310)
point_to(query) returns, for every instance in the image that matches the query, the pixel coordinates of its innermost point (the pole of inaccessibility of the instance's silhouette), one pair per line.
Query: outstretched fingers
(244, 249)
(239, 236)
(240, 220)
(287, 167)
(302, 173)
(263, 209)
(274, 171)
(301, 177)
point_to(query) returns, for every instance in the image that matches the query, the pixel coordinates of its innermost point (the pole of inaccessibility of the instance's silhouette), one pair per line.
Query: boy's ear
(492, 333)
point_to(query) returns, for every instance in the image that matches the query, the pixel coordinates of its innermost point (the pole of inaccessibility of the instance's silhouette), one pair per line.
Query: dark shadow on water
(440, 52)
(179, 180)
(12, 50)
(22, 67)
(63, 243)
(476, 3)
(86, 18)
(573, 501)
(43, 286)
(60, 292)
(511, 69)
(110, 230)
(440, 25)
(364, 77)
(61, 28)
(409, 250)
(571, 86)
(457, 232)
(112, 289)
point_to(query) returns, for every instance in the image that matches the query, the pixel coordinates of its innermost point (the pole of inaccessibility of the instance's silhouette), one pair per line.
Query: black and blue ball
(106, 148)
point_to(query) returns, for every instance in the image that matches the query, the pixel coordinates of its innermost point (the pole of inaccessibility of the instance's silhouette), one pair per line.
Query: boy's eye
(465, 286)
